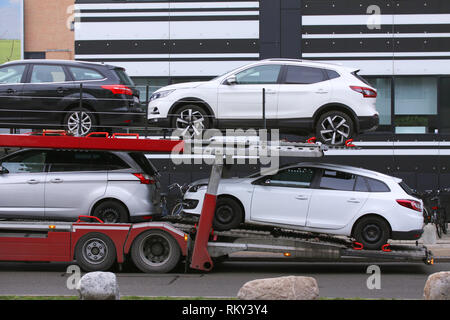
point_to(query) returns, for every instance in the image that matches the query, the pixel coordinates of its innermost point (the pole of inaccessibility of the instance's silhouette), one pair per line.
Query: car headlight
(197, 187)
(160, 94)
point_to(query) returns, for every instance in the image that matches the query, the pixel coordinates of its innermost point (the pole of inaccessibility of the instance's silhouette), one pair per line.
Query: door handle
(10, 91)
(301, 197)
(60, 90)
(321, 91)
(353, 200)
(33, 181)
(56, 180)
(270, 91)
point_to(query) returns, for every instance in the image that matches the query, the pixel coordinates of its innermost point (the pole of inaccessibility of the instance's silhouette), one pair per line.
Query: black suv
(46, 94)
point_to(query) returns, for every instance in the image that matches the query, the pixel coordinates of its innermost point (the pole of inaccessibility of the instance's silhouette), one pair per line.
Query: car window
(377, 186)
(267, 74)
(361, 184)
(332, 74)
(11, 74)
(47, 73)
(66, 161)
(124, 78)
(32, 161)
(80, 74)
(304, 75)
(337, 180)
(293, 177)
(144, 163)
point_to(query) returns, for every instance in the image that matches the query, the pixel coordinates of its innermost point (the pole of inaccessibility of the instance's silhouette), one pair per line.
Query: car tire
(372, 232)
(228, 214)
(190, 120)
(72, 120)
(111, 211)
(95, 252)
(155, 251)
(334, 128)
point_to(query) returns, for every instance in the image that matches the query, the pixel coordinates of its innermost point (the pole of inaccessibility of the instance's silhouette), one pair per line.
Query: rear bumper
(407, 235)
(366, 124)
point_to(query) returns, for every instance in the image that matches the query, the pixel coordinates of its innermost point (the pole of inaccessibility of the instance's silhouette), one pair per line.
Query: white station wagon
(323, 198)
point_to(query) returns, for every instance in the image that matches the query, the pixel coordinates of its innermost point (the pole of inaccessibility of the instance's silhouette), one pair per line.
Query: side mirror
(3, 170)
(232, 80)
(267, 182)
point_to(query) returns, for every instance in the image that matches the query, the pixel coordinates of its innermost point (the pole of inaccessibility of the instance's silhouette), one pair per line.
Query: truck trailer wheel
(155, 251)
(95, 252)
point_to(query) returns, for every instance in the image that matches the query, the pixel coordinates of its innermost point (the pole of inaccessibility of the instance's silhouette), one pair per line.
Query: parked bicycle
(177, 208)
(434, 211)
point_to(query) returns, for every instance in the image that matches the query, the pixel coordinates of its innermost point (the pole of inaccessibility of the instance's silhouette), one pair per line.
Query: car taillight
(366, 92)
(411, 204)
(145, 179)
(118, 89)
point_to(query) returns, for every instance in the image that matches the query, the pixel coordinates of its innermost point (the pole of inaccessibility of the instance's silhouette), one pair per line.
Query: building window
(384, 98)
(444, 98)
(150, 84)
(415, 104)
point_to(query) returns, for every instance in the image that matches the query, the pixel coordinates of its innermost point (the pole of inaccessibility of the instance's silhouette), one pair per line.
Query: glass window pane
(43, 74)
(445, 105)
(25, 162)
(85, 74)
(11, 74)
(336, 180)
(293, 177)
(377, 186)
(361, 184)
(304, 75)
(63, 161)
(416, 96)
(383, 87)
(259, 75)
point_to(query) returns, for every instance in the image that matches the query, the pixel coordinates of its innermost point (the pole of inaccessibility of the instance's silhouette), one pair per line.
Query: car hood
(184, 85)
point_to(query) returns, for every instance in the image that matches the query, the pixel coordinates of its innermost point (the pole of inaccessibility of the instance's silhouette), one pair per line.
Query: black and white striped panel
(381, 37)
(168, 38)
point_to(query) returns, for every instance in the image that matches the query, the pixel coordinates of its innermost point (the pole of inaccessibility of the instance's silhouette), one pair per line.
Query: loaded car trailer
(159, 246)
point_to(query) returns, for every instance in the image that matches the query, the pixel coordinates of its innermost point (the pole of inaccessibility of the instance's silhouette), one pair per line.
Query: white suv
(322, 198)
(331, 101)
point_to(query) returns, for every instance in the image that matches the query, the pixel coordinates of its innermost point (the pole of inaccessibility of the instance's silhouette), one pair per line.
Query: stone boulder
(437, 286)
(282, 288)
(99, 286)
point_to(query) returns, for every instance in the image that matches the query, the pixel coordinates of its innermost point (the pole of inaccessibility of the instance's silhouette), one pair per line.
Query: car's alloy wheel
(80, 123)
(334, 128)
(190, 121)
